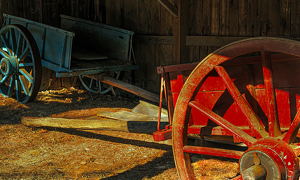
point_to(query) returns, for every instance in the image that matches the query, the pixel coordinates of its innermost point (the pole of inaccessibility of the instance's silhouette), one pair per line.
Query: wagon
(27, 46)
(245, 92)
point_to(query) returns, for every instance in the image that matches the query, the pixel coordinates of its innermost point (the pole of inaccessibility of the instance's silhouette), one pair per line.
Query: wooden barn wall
(223, 18)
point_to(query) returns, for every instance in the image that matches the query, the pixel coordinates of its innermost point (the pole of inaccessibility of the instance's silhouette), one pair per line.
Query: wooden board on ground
(142, 119)
(94, 123)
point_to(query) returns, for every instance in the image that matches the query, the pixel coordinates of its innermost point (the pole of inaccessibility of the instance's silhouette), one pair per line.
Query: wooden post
(180, 31)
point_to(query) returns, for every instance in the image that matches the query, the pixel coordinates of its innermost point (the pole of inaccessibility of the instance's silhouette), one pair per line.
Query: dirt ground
(51, 153)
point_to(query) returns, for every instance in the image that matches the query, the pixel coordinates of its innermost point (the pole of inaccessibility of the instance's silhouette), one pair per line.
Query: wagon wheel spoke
(18, 89)
(271, 154)
(20, 45)
(26, 75)
(91, 83)
(252, 119)
(291, 134)
(11, 86)
(4, 79)
(3, 53)
(213, 151)
(21, 64)
(97, 86)
(24, 54)
(274, 127)
(246, 138)
(24, 85)
(13, 41)
(6, 45)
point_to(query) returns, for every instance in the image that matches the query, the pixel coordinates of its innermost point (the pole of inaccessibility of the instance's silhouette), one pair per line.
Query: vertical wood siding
(147, 17)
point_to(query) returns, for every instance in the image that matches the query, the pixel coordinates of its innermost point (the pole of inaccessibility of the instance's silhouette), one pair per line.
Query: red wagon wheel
(255, 100)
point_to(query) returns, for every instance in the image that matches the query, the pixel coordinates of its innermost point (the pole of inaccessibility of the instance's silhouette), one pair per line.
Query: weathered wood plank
(216, 41)
(147, 127)
(234, 18)
(165, 40)
(243, 17)
(169, 6)
(180, 30)
(215, 17)
(127, 87)
(224, 18)
(264, 23)
(295, 20)
(252, 18)
(274, 16)
(193, 50)
(111, 12)
(285, 14)
(165, 51)
(190, 40)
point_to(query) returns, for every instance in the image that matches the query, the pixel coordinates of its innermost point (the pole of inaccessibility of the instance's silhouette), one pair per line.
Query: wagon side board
(55, 45)
(113, 42)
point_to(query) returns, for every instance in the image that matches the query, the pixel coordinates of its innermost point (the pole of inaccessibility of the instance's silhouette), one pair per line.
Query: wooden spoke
(26, 75)
(22, 65)
(3, 53)
(213, 151)
(14, 42)
(24, 54)
(6, 45)
(21, 68)
(91, 83)
(97, 86)
(4, 79)
(253, 120)
(20, 45)
(18, 88)
(274, 127)
(11, 86)
(290, 136)
(246, 138)
(24, 85)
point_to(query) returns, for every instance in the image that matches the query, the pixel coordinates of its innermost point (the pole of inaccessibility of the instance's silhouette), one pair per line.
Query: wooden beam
(180, 31)
(94, 123)
(127, 87)
(169, 6)
(216, 41)
(163, 40)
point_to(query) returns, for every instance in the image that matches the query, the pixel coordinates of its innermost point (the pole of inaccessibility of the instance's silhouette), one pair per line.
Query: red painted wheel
(247, 90)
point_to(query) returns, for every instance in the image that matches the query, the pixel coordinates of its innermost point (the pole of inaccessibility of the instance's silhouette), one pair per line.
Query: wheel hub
(270, 159)
(9, 66)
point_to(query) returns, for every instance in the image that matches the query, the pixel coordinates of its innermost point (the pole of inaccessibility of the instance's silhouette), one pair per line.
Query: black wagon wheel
(20, 65)
(97, 86)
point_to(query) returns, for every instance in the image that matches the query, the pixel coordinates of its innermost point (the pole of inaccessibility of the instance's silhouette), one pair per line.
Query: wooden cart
(27, 46)
(247, 91)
